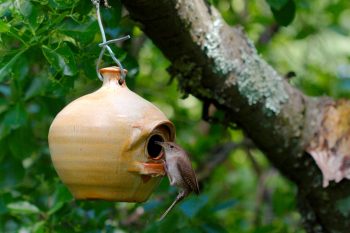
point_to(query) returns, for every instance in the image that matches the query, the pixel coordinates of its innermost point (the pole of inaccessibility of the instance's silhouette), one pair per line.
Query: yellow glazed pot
(102, 144)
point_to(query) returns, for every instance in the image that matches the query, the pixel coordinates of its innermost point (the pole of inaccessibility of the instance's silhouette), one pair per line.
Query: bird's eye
(171, 146)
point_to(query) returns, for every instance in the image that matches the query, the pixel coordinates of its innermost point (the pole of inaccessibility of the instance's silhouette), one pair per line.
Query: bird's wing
(188, 174)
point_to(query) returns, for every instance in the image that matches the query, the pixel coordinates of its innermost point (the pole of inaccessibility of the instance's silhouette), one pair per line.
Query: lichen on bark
(256, 80)
(212, 46)
(261, 84)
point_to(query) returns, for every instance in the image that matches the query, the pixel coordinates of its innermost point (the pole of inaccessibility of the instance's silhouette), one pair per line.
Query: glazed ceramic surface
(102, 144)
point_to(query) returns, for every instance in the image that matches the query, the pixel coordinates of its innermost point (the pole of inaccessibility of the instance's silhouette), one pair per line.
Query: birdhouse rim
(112, 69)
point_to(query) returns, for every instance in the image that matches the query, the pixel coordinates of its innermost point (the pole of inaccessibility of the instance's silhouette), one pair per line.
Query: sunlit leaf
(42, 2)
(23, 207)
(39, 227)
(4, 27)
(62, 59)
(190, 230)
(25, 7)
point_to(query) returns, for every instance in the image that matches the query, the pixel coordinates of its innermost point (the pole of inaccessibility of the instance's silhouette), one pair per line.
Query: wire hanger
(105, 44)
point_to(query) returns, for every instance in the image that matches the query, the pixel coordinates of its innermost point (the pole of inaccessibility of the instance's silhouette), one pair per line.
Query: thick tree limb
(218, 64)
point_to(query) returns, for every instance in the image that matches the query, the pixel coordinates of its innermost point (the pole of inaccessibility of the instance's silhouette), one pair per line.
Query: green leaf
(62, 59)
(62, 4)
(61, 196)
(32, 14)
(85, 8)
(20, 70)
(213, 228)
(5, 70)
(4, 27)
(190, 229)
(3, 208)
(23, 207)
(5, 7)
(21, 143)
(36, 17)
(265, 229)
(3, 104)
(11, 173)
(42, 2)
(25, 7)
(342, 87)
(277, 4)
(343, 205)
(193, 205)
(13, 119)
(82, 32)
(286, 14)
(39, 227)
(36, 87)
(112, 16)
(225, 205)
(3, 151)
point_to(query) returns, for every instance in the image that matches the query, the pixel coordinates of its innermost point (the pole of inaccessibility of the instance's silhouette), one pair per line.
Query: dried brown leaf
(330, 147)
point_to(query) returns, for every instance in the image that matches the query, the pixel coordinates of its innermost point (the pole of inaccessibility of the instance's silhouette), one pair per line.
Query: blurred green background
(48, 50)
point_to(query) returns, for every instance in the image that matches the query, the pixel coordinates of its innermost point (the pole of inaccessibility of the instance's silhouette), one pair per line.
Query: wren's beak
(159, 143)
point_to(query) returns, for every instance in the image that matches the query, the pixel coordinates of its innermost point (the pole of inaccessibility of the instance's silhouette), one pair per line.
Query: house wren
(179, 171)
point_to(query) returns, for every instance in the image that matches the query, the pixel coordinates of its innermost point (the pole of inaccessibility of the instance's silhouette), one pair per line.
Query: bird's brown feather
(188, 174)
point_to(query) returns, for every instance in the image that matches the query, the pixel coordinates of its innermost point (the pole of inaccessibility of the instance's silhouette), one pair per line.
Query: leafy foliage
(48, 50)
(283, 11)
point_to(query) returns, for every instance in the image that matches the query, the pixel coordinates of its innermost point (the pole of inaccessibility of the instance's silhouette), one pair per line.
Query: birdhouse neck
(110, 79)
(111, 75)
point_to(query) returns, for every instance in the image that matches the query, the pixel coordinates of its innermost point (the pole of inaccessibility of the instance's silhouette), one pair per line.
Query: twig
(134, 217)
(217, 156)
(268, 34)
(262, 193)
(255, 164)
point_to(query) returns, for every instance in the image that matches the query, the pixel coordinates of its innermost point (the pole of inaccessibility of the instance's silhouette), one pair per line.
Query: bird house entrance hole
(154, 150)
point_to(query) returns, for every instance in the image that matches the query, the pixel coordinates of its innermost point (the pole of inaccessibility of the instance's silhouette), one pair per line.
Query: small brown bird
(179, 171)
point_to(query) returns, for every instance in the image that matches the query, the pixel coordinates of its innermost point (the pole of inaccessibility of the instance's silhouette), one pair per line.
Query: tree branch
(218, 64)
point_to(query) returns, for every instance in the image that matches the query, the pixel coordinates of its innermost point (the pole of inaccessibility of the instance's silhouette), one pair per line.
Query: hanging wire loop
(105, 44)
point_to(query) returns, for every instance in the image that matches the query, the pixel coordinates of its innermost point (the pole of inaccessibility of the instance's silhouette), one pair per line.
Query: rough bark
(219, 64)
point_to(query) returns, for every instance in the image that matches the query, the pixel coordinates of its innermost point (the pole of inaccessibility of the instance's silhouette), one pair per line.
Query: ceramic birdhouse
(103, 146)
